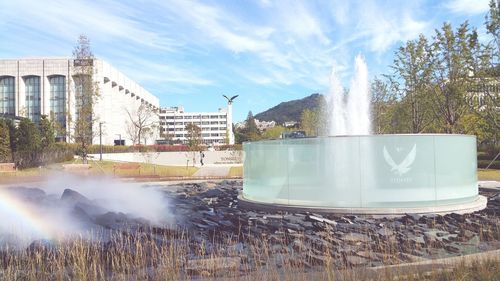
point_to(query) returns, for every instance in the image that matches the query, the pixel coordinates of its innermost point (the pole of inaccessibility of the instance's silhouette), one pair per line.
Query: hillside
(290, 110)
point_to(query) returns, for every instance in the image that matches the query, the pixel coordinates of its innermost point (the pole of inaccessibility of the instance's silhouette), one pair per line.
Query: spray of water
(350, 114)
(27, 214)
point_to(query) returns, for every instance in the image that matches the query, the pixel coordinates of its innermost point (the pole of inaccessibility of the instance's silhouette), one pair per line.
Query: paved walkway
(212, 172)
(489, 184)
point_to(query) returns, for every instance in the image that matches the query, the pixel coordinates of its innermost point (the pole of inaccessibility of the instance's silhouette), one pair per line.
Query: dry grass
(164, 256)
(488, 175)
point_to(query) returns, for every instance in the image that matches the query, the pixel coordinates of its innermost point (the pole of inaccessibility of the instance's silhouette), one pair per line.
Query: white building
(214, 125)
(33, 87)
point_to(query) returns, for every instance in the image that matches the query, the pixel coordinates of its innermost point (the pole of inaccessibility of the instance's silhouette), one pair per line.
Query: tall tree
(484, 91)
(309, 122)
(452, 51)
(383, 107)
(410, 79)
(87, 93)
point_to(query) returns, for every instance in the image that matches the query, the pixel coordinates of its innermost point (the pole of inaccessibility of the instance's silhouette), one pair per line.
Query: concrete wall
(212, 158)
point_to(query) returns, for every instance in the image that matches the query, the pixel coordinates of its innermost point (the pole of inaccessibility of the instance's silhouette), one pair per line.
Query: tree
(86, 94)
(249, 132)
(383, 107)
(309, 122)
(412, 69)
(142, 120)
(452, 60)
(484, 96)
(193, 136)
(47, 132)
(5, 152)
(273, 133)
(28, 144)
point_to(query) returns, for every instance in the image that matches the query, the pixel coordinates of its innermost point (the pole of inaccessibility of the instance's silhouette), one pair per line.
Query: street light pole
(100, 141)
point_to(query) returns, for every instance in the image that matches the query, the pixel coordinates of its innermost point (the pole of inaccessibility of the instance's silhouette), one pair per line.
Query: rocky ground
(314, 239)
(207, 221)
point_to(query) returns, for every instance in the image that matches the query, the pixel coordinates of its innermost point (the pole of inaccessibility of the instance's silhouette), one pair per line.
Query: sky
(190, 53)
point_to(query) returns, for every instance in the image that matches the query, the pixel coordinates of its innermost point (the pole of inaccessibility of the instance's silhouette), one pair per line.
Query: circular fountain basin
(372, 174)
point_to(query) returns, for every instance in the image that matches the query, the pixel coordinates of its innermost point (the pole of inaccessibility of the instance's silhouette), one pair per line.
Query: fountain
(355, 172)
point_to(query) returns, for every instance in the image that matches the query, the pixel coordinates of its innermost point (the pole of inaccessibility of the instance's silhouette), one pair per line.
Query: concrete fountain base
(461, 208)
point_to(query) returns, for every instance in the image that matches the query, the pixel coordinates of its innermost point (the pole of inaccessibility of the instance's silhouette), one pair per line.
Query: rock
(111, 220)
(27, 193)
(211, 193)
(416, 239)
(72, 197)
(452, 249)
(355, 260)
(294, 226)
(320, 219)
(213, 264)
(385, 232)
(344, 220)
(315, 259)
(355, 238)
(298, 245)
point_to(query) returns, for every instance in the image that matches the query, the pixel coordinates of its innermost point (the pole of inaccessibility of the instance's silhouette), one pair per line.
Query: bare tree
(86, 95)
(142, 123)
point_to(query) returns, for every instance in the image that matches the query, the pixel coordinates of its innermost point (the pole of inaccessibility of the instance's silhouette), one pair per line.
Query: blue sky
(191, 52)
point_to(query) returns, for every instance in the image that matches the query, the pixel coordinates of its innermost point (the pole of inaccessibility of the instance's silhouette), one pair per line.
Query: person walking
(202, 155)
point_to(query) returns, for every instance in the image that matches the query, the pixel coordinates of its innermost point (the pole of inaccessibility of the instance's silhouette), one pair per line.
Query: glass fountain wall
(362, 171)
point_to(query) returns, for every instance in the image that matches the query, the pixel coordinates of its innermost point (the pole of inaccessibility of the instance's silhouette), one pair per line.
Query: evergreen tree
(250, 132)
(47, 132)
(5, 152)
(28, 137)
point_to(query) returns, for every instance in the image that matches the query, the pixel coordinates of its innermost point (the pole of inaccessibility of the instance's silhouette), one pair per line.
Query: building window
(32, 93)
(7, 96)
(58, 100)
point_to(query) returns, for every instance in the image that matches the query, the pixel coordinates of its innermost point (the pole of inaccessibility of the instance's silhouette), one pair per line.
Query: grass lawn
(107, 167)
(236, 171)
(488, 175)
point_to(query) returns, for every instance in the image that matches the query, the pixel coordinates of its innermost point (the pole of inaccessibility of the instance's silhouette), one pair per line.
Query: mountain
(290, 110)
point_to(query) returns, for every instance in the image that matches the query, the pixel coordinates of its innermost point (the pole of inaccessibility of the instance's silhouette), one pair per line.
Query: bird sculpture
(230, 100)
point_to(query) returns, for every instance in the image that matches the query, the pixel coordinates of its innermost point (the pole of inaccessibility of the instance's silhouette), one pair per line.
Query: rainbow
(19, 214)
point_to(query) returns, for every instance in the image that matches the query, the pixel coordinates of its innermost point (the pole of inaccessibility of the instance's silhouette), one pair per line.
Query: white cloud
(67, 19)
(385, 26)
(469, 7)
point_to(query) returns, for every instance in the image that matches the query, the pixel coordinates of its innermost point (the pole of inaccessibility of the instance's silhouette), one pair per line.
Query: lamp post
(100, 141)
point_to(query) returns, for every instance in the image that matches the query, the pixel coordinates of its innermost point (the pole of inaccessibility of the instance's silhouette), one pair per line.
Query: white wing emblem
(404, 166)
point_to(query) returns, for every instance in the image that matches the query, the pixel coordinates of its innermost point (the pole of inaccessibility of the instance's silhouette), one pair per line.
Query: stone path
(212, 172)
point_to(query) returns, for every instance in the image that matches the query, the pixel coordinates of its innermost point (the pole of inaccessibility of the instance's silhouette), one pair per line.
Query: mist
(39, 212)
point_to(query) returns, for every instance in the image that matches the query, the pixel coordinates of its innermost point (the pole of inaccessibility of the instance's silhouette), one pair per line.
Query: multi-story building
(214, 125)
(33, 87)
